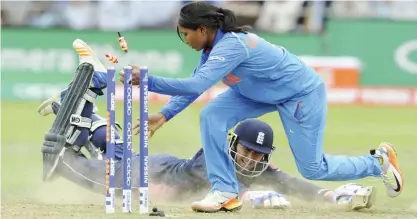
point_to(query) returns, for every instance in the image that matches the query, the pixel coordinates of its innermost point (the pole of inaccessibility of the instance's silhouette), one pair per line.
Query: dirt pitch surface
(351, 130)
(46, 211)
(49, 201)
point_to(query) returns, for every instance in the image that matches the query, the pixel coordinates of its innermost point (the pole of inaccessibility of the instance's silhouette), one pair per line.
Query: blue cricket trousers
(303, 119)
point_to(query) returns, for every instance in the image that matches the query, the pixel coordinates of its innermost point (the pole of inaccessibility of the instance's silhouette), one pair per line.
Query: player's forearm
(300, 188)
(303, 189)
(310, 192)
(176, 105)
(182, 87)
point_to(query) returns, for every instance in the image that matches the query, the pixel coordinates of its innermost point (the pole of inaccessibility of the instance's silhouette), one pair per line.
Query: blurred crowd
(271, 16)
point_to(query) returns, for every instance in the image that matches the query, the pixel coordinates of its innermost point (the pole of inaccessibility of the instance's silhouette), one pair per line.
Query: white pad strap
(80, 121)
(72, 135)
(97, 124)
(90, 96)
(119, 141)
(77, 120)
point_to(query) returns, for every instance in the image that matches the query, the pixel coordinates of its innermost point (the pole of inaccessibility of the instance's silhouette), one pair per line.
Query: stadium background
(365, 51)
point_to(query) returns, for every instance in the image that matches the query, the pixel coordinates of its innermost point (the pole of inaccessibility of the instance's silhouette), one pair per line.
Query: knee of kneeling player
(205, 114)
(309, 172)
(98, 138)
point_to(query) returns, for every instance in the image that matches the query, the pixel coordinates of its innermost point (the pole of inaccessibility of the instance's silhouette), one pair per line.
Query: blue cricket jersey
(246, 63)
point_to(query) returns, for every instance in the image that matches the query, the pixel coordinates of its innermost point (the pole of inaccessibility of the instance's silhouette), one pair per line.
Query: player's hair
(196, 14)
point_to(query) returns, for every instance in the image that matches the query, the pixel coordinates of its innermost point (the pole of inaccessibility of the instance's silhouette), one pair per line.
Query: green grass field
(351, 130)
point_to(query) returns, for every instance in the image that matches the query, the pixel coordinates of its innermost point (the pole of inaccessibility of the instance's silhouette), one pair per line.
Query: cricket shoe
(391, 172)
(218, 201)
(85, 54)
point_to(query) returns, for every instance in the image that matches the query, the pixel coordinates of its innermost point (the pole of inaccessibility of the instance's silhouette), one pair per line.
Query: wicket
(127, 141)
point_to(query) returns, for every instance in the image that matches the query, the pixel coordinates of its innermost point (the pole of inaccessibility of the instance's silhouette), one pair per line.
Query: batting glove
(345, 192)
(266, 199)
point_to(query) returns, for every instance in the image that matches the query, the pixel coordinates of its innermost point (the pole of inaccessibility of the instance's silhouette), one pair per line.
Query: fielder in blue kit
(262, 78)
(250, 147)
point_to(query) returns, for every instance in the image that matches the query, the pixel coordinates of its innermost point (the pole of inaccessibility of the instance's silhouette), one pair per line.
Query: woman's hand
(135, 75)
(155, 121)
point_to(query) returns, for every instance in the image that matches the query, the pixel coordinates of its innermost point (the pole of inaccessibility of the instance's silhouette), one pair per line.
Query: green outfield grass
(351, 130)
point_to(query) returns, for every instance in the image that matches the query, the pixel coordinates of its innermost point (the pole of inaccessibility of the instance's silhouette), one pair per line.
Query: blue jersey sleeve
(225, 56)
(177, 104)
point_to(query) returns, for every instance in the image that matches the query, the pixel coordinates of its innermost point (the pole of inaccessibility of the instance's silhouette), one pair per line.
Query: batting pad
(68, 116)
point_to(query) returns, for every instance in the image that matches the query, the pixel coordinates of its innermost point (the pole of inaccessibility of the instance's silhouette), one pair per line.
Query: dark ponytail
(196, 14)
(227, 22)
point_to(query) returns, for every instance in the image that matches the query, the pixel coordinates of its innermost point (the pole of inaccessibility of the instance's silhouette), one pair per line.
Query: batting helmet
(255, 135)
